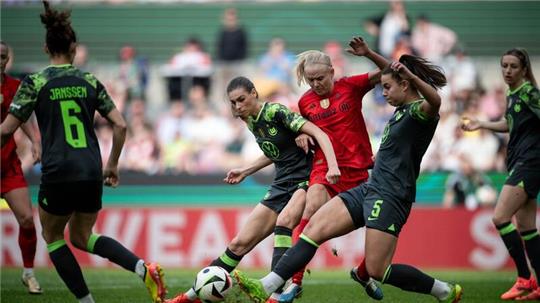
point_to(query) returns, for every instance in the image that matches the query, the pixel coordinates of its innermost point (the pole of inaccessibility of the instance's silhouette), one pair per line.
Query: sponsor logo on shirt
(344, 107)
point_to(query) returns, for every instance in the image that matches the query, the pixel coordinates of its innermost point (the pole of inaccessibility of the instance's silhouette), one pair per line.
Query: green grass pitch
(118, 286)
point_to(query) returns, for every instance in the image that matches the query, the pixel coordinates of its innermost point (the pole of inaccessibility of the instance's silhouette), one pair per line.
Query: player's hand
(36, 152)
(469, 124)
(235, 176)
(333, 174)
(110, 176)
(303, 141)
(358, 46)
(402, 70)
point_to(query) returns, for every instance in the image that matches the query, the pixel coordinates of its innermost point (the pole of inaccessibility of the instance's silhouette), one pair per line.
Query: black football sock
(532, 245)
(111, 249)
(228, 260)
(282, 242)
(296, 257)
(67, 268)
(408, 278)
(513, 243)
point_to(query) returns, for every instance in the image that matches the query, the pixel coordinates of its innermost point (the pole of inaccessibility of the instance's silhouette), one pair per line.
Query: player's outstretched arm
(110, 172)
(472, 124)
(237, 175)
(432, 99)
(8, 127)
(322, 139)
(29, 130)
(360, 48)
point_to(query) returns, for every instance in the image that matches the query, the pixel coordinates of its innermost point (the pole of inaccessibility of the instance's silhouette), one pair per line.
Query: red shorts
(12, 176)
(350, 177)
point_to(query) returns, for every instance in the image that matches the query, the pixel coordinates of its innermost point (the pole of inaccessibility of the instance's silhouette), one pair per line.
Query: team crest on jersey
(325, 103)
(398, 115)
(517, 107)
(272, 131)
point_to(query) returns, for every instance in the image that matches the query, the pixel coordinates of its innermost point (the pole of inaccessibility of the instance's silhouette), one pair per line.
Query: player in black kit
(64, 100)
(520, 191)
(383, 203)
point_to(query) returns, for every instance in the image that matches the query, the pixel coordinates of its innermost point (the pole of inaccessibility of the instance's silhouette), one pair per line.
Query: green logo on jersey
(510, 122)
(392, 228)
(270, 150)
(385, 133)
(267, 195)
(399, 115)
(517, 108)
(44, 201)
(272, 131)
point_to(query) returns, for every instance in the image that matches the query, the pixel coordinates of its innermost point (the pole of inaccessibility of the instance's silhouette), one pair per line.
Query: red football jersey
(9, 88)
(340, 117)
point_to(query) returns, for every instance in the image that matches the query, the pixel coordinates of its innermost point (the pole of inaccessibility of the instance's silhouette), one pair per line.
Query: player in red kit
(335, 106)
(13, 184)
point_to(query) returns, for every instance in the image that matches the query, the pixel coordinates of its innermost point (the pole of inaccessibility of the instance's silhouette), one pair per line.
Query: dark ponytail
(523, 57)
(423, 69)
(60, 35)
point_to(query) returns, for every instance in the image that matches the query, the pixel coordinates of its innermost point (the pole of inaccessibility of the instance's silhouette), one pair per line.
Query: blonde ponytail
(309, 57)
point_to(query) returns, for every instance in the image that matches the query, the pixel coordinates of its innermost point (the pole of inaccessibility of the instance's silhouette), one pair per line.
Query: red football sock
(361, 271)
(27, 243)
(299, 229)
(299, 276)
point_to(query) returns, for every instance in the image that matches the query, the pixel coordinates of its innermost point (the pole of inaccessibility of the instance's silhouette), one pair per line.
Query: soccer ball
(212, 284)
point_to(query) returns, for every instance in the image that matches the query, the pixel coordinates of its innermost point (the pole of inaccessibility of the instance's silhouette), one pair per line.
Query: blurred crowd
(194, 132)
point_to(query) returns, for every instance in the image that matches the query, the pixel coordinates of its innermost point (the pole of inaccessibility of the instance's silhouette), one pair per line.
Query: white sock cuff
(272, 282)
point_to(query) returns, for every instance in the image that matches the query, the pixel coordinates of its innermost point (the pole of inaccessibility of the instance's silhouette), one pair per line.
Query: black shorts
(65, 198)
(279, 194)
(369, 208)
(526, 177)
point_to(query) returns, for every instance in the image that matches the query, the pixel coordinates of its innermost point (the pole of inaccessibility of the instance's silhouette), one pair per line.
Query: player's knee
(498, 220)
(525, 226)
(26, 221)
(78, 240)
(51, 237)
(311, 209)
(286, 220)
(238, 246)
(376, 271)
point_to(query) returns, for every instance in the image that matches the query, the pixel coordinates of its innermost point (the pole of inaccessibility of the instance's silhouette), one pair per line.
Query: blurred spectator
(141, 151)
(432, 41)
(132, 73)
(372, 26)
(197, 98)
(232, 42)
(172, 124)
(232, 47)
(394, 24)
(493, 103)
(462, 77)
(334, 50)
(178, 155)
(192, 66)
(277, 63)
(468, 187)
(403, 47)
